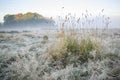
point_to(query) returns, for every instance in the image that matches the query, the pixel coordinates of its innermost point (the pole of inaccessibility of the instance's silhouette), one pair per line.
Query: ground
(24, 55)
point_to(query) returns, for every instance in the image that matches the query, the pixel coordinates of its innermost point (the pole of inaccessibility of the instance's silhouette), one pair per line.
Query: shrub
(45, 37)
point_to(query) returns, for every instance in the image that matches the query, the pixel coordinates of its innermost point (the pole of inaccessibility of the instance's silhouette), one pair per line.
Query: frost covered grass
(73, 45)
(64, 56)
(80, 58)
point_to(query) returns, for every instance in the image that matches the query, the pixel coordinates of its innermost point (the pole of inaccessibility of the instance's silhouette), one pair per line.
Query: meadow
(71, 52)
(53, 55)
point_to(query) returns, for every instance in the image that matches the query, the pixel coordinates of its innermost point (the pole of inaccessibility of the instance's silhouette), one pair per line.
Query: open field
(26, 55)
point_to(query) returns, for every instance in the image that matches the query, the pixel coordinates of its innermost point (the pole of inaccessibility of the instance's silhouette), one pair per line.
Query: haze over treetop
(28, 18)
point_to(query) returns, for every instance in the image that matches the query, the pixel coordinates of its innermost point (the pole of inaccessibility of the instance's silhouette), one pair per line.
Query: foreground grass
(71, 57)
(82, 46)
(70, 46)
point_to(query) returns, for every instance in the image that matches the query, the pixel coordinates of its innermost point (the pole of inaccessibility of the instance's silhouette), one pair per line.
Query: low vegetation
(70, 54)
(65, 57)
(71, 46)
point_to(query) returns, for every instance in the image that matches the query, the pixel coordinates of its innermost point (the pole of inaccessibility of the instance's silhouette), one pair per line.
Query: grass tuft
(71, 46)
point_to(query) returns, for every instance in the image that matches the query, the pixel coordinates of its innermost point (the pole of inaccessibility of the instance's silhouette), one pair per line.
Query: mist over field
(60, 40)
(34, 21)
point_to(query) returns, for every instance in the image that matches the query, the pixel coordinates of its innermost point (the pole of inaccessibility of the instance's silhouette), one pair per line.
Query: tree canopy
(26, 19)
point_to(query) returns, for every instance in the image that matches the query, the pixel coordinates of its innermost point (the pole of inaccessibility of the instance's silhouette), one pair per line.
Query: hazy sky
(54, 7)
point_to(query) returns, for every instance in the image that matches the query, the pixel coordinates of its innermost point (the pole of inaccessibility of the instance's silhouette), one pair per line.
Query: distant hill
(24, 20)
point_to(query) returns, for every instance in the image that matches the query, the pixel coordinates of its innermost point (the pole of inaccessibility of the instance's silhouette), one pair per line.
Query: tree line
(27, 19)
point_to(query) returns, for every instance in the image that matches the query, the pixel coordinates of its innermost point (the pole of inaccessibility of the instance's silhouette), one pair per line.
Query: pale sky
(54, 7)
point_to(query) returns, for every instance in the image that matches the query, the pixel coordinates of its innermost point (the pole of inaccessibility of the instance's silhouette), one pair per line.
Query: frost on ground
(25, 56)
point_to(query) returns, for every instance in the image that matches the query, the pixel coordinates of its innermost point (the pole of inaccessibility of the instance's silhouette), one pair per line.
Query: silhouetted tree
(0, 24)
(27, 19)
(9, 19)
